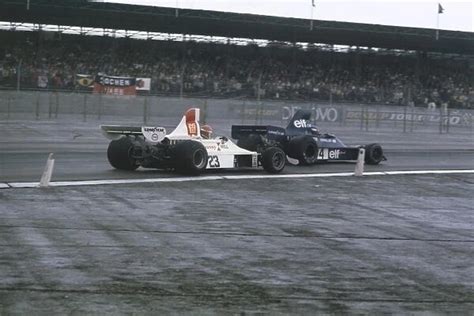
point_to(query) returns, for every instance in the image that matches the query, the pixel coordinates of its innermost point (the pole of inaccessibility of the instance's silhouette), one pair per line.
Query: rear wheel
(373, 154)
(119, 154)
(303, 148)
(190, 157)
(273, 160)
(250, 142)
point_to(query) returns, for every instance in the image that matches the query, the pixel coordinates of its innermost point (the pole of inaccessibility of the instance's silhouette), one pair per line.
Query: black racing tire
(118, 154)
(304, 148)
(250, 142)
(273, 160)
(190, 157)
(373, 154)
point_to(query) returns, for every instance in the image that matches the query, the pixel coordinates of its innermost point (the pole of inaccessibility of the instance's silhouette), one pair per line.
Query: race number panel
(328, 153)
(220, 161)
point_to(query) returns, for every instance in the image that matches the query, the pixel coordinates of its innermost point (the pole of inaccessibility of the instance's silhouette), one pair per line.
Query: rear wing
(152, 134)
(270, 131)
(187, 128)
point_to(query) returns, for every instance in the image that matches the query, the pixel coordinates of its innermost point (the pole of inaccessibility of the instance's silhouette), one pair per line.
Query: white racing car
(188, 149)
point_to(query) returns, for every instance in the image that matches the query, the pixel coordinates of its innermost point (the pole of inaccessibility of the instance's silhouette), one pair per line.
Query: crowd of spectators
(232, 71)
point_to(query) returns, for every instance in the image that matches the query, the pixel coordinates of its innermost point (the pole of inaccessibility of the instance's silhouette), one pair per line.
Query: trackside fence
(35, 105)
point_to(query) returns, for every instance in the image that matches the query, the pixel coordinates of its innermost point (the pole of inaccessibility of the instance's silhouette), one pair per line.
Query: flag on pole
(440, 8)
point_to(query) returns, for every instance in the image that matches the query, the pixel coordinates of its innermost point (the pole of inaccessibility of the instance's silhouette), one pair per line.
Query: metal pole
(471, 120)
(145, 110)
(257, 107)
(99, 111)
(50, 105)
(56, 110)
(367, 118)
(405, 119)
(448, 121)
(377, 115)
(258, 98)
(84, 110)
(37, 106)
(440, 120)
(343, 115)
(412, 119)
(18, 76)
(8, 106)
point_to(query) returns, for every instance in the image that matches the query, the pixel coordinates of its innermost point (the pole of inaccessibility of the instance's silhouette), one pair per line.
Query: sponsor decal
(325, 114)
(211, 147)
(154, 134)
(327, 140)
(453, 118)
(114, 85)
(333, 114)
(301, 123)
(192, 128)
(276, 132)
(326, 153)
(217, 147)
(154, 129)
(328, 114)
(115, 81)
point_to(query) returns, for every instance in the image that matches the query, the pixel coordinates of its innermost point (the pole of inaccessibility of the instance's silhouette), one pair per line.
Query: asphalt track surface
(397, 244)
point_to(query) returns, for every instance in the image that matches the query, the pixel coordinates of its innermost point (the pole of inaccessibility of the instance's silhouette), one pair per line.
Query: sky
(458, 15)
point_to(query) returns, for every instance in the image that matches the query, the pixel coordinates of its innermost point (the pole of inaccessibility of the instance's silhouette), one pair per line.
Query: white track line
(7, 185)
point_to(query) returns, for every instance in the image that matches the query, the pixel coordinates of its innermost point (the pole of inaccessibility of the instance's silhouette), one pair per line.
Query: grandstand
(228, 55)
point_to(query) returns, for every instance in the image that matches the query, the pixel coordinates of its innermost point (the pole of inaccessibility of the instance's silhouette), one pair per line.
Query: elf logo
(325, 153)
(300, 123)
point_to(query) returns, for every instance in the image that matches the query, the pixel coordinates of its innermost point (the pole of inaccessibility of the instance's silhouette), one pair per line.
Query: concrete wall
(149, 109)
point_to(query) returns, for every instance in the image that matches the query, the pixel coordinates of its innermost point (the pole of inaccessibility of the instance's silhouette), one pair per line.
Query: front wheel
(190, 157)
(273, 160)
(373, 154)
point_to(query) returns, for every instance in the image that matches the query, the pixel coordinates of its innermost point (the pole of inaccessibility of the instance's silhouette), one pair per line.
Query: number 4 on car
(304, 142)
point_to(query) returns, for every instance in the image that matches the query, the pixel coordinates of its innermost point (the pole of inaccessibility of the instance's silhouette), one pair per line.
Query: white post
(359, 169)
(48, 172)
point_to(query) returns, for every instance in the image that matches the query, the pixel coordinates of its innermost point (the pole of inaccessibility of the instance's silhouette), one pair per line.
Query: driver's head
(206, 131)
(314, 130)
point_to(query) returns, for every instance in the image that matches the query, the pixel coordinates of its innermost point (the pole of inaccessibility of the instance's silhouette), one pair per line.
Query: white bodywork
(222, 152)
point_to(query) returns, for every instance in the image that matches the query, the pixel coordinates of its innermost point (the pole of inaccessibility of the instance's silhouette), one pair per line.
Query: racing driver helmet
(206, 131)
(315, 130)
